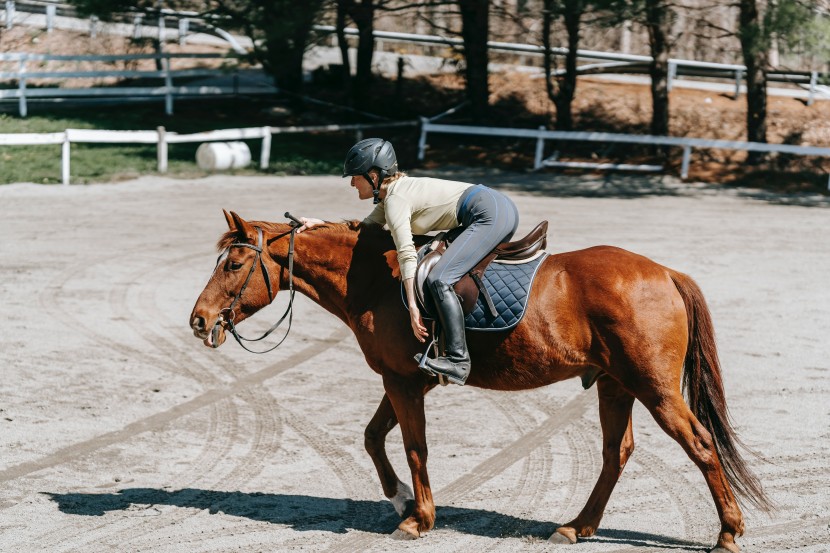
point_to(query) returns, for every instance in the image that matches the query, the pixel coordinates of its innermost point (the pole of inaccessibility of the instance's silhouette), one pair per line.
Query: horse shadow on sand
(305, 513)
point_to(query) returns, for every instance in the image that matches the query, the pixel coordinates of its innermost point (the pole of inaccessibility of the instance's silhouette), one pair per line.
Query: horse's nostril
(198, 323)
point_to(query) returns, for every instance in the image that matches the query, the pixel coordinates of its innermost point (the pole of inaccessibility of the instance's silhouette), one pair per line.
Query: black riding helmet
(369, 153)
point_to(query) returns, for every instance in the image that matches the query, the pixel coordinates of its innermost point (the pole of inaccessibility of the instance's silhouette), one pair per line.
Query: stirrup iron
(422, 362)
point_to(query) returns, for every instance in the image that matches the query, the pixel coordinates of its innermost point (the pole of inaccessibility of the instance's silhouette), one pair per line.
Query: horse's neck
(334, 268)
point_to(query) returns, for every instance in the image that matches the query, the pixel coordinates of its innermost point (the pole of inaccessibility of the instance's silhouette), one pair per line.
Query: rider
(418, 205)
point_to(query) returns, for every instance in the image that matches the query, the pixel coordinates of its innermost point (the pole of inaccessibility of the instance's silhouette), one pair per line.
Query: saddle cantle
(471, 286)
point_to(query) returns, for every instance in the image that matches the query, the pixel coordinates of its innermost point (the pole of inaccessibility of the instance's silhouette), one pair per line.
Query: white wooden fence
(163, 139)
(541, 135)
(167, 75)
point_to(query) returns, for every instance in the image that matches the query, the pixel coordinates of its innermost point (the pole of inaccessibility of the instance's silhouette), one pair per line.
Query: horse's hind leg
(677, 420)
(615, 405)
(381, 424)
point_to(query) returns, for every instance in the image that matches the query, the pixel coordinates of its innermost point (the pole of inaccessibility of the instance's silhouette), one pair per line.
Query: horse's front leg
(375, 441)
(407, 398)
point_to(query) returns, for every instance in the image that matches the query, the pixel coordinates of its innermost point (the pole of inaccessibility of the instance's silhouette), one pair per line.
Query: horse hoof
(403, 536)
(560, 538)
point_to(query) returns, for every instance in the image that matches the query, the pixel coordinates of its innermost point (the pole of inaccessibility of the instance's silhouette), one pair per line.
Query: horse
(639, 330)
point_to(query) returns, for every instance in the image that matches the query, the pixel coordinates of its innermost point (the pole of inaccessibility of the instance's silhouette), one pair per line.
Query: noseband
(258, 260)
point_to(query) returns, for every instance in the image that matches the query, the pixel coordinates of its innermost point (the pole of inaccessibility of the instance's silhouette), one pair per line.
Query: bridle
(258, 260)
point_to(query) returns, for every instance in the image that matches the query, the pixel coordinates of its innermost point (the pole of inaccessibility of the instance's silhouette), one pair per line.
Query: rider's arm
(377, 216)
(398, 219)
(414, 313)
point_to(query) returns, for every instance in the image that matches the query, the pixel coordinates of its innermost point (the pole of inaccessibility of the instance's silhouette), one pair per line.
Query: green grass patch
(290, 154)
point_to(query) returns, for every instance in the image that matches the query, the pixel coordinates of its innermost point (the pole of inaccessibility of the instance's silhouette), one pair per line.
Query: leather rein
(258, 260)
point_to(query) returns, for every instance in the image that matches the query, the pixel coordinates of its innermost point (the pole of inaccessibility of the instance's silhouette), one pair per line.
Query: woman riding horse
(418, 205)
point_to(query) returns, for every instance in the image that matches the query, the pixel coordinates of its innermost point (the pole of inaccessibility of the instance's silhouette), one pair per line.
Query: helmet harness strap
(375, 189)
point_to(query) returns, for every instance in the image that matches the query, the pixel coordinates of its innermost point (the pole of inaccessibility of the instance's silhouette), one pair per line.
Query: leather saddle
(470, 286)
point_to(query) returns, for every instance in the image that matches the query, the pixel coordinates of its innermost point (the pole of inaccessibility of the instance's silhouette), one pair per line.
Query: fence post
(184, 26)
(672, 74)
(687, 156)
(358, 134)
(813, 79)
(9, 14)
(739, 73)
(540, 149)
(65, 159)
(265, 154)
(422, 141)
(22, 107)
(93, 26)
(51, 10)
(161, 30)
(168, 86)
(162, 150)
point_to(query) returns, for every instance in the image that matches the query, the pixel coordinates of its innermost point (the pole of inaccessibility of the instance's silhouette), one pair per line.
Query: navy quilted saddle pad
(509, 287)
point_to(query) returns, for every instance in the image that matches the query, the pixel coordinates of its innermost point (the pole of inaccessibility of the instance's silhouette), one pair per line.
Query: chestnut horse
(602, 311)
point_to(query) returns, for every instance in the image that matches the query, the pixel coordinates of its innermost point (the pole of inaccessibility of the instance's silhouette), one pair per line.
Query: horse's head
(239, 286)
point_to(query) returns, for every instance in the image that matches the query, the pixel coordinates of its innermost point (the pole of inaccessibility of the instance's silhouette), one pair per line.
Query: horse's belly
(523, 372)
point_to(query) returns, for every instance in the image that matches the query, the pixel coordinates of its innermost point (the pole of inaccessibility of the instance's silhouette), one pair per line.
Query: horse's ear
(242, 227)
(229, 219)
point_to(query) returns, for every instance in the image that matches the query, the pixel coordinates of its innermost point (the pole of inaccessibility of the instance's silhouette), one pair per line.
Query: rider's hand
(308, 222)
(417, 324)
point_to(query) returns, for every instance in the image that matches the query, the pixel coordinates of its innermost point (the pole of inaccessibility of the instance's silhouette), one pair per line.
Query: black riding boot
(456, 365)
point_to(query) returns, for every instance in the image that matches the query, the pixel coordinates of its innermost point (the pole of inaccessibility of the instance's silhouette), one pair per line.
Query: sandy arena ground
(121, 432)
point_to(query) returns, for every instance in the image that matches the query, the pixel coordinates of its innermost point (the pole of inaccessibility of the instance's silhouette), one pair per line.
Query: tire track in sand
(488, 469)
(118, 300)
(162, 418)
(529, 491)
(51, 303)
(354, 478)
(79, 537)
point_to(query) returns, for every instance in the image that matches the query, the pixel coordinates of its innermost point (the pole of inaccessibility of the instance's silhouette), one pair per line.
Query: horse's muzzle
(199, 328)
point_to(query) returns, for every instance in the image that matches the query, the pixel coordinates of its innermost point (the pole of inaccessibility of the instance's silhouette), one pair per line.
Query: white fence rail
(541, 135)
(138, 24)
(167, 75)
(163, 139)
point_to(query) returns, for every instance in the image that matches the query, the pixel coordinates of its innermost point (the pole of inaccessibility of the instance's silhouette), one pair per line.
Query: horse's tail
(703, 387)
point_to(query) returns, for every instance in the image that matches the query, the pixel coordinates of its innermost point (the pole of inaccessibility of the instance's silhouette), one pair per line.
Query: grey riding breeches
(487, 219)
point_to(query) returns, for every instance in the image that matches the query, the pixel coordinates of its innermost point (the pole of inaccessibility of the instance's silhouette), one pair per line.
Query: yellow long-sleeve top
(417, 205)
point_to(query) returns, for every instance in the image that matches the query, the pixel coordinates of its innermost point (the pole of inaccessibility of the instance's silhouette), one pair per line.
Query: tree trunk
(547, 19)
(755, 58)
(363, 15)
(562, 94)
(657, 23)
(343, 44)
(567, 85)
(286, 38)
(475, 31)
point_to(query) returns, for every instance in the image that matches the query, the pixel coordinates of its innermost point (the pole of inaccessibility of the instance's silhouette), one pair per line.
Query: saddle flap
(466, 288)
(425, 265)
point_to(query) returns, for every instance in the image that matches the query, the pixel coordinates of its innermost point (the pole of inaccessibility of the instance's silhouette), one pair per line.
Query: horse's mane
(371, 232)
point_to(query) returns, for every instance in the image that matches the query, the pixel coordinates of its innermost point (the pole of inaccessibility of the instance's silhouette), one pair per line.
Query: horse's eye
(235, 266)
